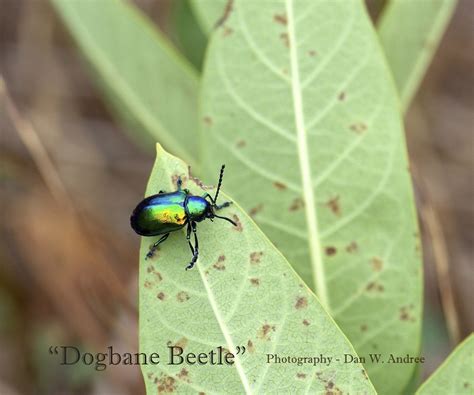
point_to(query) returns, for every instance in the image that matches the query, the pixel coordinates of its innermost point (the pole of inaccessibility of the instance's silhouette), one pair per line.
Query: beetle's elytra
(167, 212)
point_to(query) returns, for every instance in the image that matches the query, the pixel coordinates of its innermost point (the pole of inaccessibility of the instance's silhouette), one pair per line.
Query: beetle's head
(211, 214)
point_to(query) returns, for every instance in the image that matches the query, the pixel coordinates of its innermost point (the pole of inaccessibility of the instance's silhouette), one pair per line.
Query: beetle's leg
(179, 183)
(216, 206)
(225, 204)
(196, 248)
(188, 237)
(206, 195)
(162, 191)
(155, 246)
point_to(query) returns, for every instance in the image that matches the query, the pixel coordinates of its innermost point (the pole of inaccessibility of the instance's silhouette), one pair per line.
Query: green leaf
(242, 292)
(410, 32)
(455, 375)
(188, 34)
(208, 12)
(153, 89)
(299, 104)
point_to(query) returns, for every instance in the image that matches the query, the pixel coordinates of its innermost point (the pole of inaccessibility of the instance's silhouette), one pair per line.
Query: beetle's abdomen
(159, 214)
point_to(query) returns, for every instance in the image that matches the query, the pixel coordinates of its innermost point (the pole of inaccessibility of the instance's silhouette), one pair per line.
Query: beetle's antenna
(227, 219)
(219, 183)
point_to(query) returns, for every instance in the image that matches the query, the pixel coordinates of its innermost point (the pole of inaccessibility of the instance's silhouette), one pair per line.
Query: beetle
(168, 212)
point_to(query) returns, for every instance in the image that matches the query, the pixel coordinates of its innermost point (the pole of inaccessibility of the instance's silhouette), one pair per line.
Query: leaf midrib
(225, 331)
(319, 276)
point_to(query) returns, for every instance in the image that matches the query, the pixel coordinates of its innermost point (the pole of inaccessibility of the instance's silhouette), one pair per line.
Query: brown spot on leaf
(147, 284)
(331, 389)
(241, 144)
(255, 210)
(280, 18)
(239, 226)
(286, 40)
(377, 264)
(405, 314)
(342, 96)
(207, 120)
(301, 375)
(184, 375)
(297, 204)
(255, 257)
(183, 342)
(330, 251)
(334, 205)
(227, 10)
(166, 385)
(363, 328)
(255, 281)
(161, 296)
(352, 247)
(197, 181)
(312, 52)
(279, 185)
(305, 322)
(265, 331)
(250, 346)
(182, 296)
(219, 265)
(358, 127)
(301, 303)
(227, 31)
(374, 287)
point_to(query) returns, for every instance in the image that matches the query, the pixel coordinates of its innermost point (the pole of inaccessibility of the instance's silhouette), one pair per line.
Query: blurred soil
(68, 259)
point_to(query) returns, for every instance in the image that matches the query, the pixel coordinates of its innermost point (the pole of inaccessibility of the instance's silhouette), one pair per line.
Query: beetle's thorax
(197, 208)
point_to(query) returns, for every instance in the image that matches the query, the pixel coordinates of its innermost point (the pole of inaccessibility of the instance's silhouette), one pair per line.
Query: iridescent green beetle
(164, 213)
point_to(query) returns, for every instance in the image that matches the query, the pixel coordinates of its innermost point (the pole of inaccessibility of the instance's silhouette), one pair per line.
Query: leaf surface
(208, 12)
(455, 375)
(299, 104)
(410, 32)
(153, 89)
(242, 292)
(187, 32)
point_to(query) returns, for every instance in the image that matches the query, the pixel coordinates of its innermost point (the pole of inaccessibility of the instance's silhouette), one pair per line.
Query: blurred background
(70, 177)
